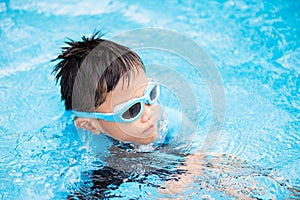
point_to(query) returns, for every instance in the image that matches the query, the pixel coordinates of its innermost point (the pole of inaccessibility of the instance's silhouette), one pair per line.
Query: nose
(146, 113)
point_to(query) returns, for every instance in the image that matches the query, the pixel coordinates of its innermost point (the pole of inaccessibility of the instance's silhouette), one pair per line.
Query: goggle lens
(153, 93)
(133, 111)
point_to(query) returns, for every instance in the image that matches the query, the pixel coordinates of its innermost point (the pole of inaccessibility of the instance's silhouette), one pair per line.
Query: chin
(149, 139)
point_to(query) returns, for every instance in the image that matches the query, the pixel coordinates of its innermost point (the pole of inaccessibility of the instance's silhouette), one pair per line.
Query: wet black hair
(91, 68)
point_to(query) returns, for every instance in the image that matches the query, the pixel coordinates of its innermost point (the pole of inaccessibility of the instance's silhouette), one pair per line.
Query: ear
(89, 124)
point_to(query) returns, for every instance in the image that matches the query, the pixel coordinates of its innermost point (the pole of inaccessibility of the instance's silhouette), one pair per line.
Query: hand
(200, 168)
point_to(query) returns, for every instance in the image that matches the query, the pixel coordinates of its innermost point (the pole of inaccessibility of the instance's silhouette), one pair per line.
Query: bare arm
(212, 173)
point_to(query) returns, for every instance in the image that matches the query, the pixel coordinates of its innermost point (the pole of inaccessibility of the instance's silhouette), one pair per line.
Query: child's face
(141, 131)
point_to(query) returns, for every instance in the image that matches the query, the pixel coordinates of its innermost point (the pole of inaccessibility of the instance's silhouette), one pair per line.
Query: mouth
(149, 130)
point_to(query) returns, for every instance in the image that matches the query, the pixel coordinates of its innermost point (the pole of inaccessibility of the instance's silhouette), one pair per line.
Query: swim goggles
(128, 111)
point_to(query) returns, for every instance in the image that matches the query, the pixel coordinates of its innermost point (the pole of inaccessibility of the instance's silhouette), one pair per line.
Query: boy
(115, 107)
(105, 86)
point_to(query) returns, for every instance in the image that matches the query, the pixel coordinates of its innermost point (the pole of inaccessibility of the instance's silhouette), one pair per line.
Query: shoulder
(181, 131)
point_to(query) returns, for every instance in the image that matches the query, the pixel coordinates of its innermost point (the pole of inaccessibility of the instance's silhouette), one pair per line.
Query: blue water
(253, 44)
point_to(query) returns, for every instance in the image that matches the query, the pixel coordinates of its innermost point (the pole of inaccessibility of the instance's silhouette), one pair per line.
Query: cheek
(120, 130)
(155, 112)
(130, 129)
(110, 128)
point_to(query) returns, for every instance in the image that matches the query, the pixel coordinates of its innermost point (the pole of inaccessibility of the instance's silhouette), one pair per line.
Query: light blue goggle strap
(112, 117)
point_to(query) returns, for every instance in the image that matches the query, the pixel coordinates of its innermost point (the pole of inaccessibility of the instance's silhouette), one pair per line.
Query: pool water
(255, 48)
